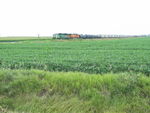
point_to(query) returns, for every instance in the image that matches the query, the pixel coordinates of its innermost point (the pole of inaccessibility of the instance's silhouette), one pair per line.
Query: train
(89, 36)
(73, 36)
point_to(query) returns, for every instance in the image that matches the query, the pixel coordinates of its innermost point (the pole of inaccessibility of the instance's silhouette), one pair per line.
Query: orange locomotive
(73, 36)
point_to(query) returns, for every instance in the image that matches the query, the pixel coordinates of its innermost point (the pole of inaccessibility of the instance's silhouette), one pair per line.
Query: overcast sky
(45, 17)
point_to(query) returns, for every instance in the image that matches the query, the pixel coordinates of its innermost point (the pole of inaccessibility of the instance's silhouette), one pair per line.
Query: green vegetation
(34, 91)
(24, 38)
(90, 56)
(126, 89)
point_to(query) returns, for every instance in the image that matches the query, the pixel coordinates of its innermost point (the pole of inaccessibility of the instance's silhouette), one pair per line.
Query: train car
(83, 36)
(90, 36)
(61, 36)
(73, 36)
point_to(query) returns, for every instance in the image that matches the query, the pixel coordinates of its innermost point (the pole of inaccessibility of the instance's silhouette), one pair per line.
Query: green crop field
(91, 56)
(44, 75)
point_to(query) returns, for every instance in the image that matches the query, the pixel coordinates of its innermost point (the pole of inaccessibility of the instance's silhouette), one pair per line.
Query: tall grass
(37, 91)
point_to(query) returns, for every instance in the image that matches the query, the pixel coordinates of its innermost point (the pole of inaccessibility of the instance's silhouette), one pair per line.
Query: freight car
(90, 36)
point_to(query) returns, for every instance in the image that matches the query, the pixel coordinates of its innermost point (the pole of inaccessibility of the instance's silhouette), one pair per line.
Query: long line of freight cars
(87, 36)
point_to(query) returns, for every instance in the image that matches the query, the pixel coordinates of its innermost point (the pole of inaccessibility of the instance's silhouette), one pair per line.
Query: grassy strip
(23, 38)
(37, 91)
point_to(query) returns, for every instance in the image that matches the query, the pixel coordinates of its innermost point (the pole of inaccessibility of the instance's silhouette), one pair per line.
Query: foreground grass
(37, 91)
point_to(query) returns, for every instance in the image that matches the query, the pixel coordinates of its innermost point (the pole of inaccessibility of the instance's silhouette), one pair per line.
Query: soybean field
(90, 56)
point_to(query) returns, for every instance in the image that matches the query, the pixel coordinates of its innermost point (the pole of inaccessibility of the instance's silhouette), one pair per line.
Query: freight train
(87, 36)
(72, 36)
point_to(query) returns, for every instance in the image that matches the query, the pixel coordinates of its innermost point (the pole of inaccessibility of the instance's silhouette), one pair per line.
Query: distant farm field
(91, 56)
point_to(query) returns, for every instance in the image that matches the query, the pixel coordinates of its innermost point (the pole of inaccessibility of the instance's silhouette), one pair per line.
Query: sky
(45, 17)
